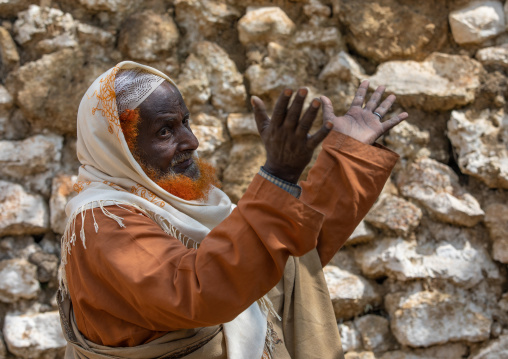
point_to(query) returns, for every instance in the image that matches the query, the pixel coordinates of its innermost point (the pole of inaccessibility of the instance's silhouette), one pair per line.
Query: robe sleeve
(343, 184)
(140, 277)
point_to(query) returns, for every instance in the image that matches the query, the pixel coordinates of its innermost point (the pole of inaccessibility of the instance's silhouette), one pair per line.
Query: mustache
(181, 157)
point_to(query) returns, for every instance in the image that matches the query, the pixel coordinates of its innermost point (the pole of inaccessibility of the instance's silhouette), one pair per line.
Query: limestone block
(375, 29)
(477, 22)
(264, 25)
(61, 192)
(36, 154)
(209, 132)
(203, 19)
(210, 75)
(497, 224)
(503, 303)
(408, 140)
(343, 67)
(18, 247)
(440, 82)
(459, 262)
(360, 355)
(10, 8)
(45, 30)
(49, 90)
(317, 36)
(350, 337)
(47, 266)
(34, 335)
(5, 102)
(3, 349)
(375, 333)
(21, 212)
(423, 319)
(246, 157)
(241, 124)
(446, 351)
(436, 187)
(496, 55)
(363, 233)
(148, 36)
(494, 349)
(394, 214)
(480, 143)
(9, 57)
(18, 280)
(109, 5)
(350, 293)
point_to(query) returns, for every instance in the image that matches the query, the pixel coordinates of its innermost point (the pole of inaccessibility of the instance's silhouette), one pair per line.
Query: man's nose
(187, 141)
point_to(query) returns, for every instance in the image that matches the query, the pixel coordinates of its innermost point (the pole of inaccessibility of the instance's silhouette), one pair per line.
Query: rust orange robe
(134, 284)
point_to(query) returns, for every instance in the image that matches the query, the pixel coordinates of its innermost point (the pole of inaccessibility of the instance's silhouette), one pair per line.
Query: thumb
(328, 114)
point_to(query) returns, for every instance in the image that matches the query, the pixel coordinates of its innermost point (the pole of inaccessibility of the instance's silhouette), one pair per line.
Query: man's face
(165, 141)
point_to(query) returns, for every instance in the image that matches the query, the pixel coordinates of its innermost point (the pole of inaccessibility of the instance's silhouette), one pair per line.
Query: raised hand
(289, 146)
(362, 123)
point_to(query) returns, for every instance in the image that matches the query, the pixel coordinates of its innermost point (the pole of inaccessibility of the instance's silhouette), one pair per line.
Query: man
(167, 267)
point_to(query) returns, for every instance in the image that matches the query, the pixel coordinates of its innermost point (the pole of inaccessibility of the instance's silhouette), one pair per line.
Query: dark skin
(289, 148)
(165, 134)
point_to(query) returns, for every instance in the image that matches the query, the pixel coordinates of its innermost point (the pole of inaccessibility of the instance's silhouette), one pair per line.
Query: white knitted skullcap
(133, 86)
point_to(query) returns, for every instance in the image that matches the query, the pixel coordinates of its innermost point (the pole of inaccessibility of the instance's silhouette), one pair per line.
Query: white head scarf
(110, 175)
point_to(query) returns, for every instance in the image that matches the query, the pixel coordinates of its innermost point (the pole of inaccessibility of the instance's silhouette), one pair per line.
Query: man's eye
(164, 132)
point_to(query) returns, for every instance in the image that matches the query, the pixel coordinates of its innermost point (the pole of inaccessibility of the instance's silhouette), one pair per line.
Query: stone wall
(423, 276)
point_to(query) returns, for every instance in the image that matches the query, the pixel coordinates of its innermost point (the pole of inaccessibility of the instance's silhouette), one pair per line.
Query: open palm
(361, 123)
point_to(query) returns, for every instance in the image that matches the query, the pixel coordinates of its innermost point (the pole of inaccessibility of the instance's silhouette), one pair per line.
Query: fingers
(375, 98)
(320, 135)
(360, 94)
(386, 105)
(295, 110)
(280, 109)
(328, 114)
(262, 119)
(395, 120)
(308, 118)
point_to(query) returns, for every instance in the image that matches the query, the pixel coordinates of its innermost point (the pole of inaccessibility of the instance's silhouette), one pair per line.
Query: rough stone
(264, 25)
(496, 55)
(203, 19)
(49, 90)
(209, 131)
(408, 141)
(394, 214)
(34, 336)
(375, 333)
(497, 224)
(480, 141)
(109, 5)
(21, 212)
(210, 75)
(35, 154)
(246, 157)
(457, 261)
(343, 67)
(495, 349)
(241, 124)
(10, 8)
(18, 280)
(441, 82)
(317, 36)
(5, 102)
(17, 247)
(436, 187)
(47, 266)
(447, 351)
(375, 29)
(360, 355)
(350, 337)
(13, 126)
(9, 57)
(477, 22)
(425, 318)
(363, 233)
(45, 30)
(61, 192)
(351, 294)
(148, 36)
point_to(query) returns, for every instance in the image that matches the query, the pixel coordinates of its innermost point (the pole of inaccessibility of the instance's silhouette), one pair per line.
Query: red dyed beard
(182, 186)
(177, 184)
